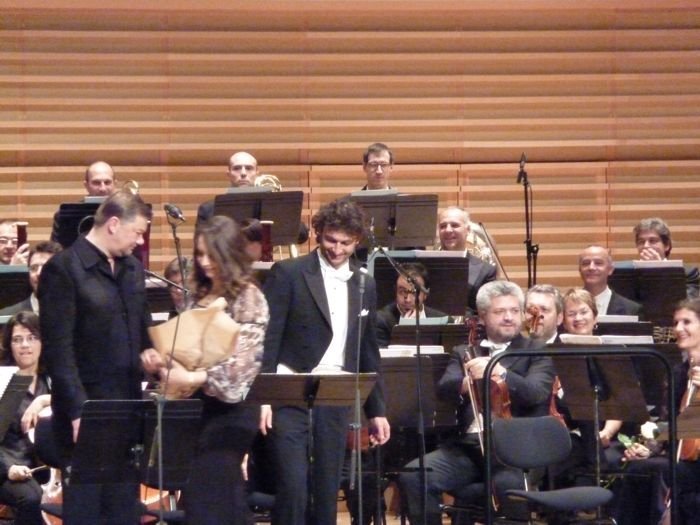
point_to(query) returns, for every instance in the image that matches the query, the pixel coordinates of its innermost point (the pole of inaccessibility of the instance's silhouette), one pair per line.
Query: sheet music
(6, 373)
(410, 350)
(666, 263)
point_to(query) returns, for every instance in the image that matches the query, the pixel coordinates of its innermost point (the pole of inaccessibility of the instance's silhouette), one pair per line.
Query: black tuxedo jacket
(300, 329)
(480, 273)
(620, 305)
(529, 381)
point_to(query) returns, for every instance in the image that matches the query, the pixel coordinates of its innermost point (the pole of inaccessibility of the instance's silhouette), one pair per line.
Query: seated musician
(172, 273)
(641, 499)
(10, 252)
(544, 306)
(652, 236)
(595, 265)
(404, 307)
(38, 256)
(454, 230)
(458, 461)
(21, 347)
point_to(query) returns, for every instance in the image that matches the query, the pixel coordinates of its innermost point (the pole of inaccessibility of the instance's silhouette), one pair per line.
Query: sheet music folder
(15, 388)
(303, 390)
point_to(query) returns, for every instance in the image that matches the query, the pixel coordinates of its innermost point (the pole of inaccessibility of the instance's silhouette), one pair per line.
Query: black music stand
(11, 398)
(283, 208)
(114, 445)
(658, 290)
(398, 219)
(601, 387)
(14, 284)
(450, 289)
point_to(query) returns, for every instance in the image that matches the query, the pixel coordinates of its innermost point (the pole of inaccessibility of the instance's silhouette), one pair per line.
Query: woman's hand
(31, 414)
(636, 452)
(181, 383)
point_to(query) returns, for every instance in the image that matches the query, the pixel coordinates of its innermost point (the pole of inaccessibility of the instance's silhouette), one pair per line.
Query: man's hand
(476, 368)
(19, 473)
(379, 430)
(649, 254)
(21, 256)
(265, 419)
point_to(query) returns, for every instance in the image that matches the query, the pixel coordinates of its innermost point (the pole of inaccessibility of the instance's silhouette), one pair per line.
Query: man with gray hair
(458, 461)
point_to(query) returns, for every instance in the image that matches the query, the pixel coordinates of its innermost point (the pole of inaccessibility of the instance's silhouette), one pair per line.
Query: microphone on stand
(173, 213)
(521, 173)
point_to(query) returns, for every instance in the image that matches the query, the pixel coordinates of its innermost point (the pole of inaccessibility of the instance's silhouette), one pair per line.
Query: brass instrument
(131, 186)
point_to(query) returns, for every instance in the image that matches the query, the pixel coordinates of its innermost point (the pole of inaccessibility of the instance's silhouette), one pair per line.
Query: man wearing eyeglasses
(10, 253)
(377, 162)
(242, 172)
(38, 256)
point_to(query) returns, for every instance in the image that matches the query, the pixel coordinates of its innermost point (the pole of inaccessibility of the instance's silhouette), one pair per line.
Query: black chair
(529, 443)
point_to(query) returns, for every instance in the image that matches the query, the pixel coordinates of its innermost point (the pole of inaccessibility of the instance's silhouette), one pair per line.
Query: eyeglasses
(20, 339)
(405, 291)
(374, 166)
(9, 240)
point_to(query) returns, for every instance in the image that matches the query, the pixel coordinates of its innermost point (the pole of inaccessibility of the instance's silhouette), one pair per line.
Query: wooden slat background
(602, 96)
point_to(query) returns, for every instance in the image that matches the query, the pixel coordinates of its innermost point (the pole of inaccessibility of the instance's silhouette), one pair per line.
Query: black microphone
(174, 212)
(521, 173)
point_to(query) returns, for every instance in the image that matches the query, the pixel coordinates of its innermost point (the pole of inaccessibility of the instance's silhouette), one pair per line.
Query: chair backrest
(530, 442)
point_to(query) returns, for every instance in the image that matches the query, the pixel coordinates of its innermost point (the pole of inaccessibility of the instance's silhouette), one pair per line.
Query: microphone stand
(159, 397)
(418, 288)
(530, 248)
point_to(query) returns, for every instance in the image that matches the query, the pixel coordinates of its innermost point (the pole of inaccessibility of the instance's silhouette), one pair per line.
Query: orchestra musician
(454, 230)
(458, 461)
(38, 256)
(314, 314)
(652, 237)
(21, 347)
(641, 497)
(216, 490)
(545, 312)
(404, 306)
(10, 252)
(94, 320)
(377, 163)
(595, 265)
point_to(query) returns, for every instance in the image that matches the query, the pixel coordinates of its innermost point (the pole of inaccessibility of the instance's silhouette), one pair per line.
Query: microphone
(174, 212)
(521, 173)
(363, 274)
(372, 238)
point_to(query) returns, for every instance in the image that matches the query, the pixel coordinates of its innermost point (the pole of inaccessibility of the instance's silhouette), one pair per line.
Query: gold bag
(205, 337)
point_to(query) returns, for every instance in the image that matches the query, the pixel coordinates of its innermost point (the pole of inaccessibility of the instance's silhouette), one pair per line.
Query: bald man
(99, 179)
(242, 172)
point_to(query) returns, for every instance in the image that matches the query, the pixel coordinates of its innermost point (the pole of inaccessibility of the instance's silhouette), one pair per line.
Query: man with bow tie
(457, 463)
(319, 304)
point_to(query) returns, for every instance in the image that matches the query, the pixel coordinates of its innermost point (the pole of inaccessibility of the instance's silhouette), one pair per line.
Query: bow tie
(341, 274)
(494, 348)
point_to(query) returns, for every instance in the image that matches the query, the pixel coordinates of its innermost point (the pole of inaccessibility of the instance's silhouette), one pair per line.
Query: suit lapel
(314, 280)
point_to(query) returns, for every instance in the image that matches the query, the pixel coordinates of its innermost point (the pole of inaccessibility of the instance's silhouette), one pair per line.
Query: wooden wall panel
(602, 96)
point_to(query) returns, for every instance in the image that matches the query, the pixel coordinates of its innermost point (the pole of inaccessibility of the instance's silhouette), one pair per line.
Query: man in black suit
(94, 318)
(595, 265)
(405, 305)
(454, 231)
(38, 256)
(458, 461)
(652, 237)
(316, 302)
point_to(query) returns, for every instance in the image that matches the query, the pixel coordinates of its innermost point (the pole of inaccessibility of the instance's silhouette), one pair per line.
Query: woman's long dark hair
(226, 247)
(28, 320)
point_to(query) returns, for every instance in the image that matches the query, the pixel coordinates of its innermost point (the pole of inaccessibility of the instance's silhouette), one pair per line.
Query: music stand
(283, 208)
(450, 289)
(14, 284)
(601, 387)
(113, 436)
(11, 398)
(399, 219)
(446, 335)
(658, 290)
